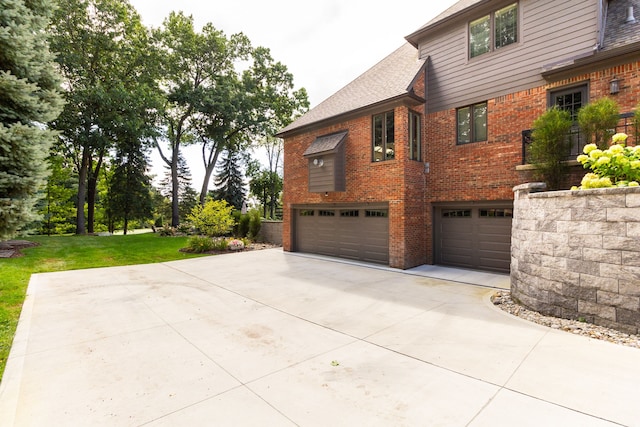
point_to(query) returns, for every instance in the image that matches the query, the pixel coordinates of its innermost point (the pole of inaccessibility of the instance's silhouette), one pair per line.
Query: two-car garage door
(354, 232)
(474, 237)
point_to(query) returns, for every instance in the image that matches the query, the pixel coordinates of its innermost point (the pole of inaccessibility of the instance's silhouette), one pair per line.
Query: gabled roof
(390, 78)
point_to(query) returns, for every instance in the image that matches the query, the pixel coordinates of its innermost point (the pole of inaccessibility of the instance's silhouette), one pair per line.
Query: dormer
(326, 163)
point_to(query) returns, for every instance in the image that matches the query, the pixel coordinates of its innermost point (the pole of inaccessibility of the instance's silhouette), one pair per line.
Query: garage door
(349, 232)
(474, 237)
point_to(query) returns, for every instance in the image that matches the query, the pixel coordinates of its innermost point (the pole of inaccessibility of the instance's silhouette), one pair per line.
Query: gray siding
(550, 31)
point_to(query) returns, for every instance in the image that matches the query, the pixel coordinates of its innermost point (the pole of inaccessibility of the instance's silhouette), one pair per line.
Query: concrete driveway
(266, 338)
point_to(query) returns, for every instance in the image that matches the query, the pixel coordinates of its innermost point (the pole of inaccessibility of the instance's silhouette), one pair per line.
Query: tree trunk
(92, 189)
(209, 165)
(82, 192)
(175, 188)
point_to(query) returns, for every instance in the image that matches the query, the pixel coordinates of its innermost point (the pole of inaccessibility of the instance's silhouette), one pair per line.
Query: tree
(129, 188)
(598, 121)
(29, 98)
(58, 210)
(550, 145)
(104, 57)
(229, 181)
(192, 67)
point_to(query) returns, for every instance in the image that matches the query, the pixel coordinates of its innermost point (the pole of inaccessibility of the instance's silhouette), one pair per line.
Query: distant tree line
(97, 91)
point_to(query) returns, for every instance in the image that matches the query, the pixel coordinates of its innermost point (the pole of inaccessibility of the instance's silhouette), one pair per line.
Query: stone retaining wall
(576, 254)
(270, 232)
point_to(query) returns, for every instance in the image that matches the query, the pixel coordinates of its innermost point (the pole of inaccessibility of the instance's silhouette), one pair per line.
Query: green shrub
(243, 226)
(167, 231)
(212, 219)
(220, 244)
(550, 146)
(598, 121)
(255, 223)
(200, 244)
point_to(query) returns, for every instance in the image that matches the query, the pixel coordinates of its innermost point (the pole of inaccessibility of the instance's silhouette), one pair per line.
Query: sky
(325, 44)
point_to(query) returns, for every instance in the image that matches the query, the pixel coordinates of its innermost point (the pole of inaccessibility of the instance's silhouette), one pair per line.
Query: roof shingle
(389, 78)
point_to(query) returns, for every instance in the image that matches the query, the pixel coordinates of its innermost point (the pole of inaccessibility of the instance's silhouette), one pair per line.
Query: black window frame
(415, 141)
(473, 134)
(380, 136)
(489, 20)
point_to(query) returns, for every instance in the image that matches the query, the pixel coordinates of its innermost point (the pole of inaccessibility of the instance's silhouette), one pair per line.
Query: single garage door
(359, 233)
(474, 237)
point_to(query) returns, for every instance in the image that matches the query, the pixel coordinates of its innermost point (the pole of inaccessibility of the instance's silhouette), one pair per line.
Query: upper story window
(472, 123)
(415, 138)
(383, 137)
(493, 31)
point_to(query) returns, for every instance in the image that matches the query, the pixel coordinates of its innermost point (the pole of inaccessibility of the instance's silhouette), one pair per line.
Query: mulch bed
(11, 248)
(251, 247)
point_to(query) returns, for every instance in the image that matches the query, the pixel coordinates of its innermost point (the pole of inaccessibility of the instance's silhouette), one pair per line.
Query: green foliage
(550, 146)
(220, 244)
(58, 208)
(28, 98)
(598, 121)
(229, 180)
(243, 225)
(212, 219)
(255, 223)
(200, 244)
(618, 165)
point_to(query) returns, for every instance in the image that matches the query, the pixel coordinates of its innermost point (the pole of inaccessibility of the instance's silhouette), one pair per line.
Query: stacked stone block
(576, 254)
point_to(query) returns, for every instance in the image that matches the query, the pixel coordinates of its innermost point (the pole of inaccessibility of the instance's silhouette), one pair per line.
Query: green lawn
(58, 253)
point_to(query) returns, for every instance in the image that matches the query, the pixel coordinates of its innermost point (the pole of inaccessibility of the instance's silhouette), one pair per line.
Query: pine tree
(230, 181)
(29, 98)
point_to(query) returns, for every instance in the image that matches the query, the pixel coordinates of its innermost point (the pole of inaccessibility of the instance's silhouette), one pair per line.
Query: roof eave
(602, 56)
(409, 98)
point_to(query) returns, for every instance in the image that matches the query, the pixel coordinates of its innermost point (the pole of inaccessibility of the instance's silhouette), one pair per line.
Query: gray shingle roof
(388, 79)
(326, 144)
(617, 32)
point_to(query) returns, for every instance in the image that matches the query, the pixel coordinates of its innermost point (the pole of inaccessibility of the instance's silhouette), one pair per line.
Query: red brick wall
(484, 171)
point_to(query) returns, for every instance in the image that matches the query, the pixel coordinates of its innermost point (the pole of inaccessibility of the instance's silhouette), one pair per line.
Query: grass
(59, 253)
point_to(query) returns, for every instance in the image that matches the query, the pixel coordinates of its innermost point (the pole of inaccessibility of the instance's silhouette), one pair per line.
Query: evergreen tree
(29, 98)
(129, 188)
(230, 180)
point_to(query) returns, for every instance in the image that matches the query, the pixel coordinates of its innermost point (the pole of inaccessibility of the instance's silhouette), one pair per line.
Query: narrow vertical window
(415, 140)
(480, 36)
(383, 137)
(506, 26)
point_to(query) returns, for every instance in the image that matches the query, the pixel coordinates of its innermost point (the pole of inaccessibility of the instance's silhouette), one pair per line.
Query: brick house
(414, 161)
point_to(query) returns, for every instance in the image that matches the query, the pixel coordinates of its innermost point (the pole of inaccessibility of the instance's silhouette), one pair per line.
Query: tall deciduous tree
(192, 65)
(29, 98)
(102, 51)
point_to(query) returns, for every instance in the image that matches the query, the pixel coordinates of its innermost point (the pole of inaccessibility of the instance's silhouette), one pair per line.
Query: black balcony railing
(578, 140)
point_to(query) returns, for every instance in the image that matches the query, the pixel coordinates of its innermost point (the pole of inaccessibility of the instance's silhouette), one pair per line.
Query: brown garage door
(348, 232)
(474, 237)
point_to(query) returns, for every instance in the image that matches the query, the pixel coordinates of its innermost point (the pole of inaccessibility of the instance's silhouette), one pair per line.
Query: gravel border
(502, 300)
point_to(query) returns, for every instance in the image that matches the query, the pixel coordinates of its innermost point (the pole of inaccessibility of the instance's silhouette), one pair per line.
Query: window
(326, 213)
(306, 212)
(472, 123)
(493, 31)
(456, 213)
(349, 213)
(376, 213)
(414, 136)
(570, 100)
(383, 137)
(496, 213)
